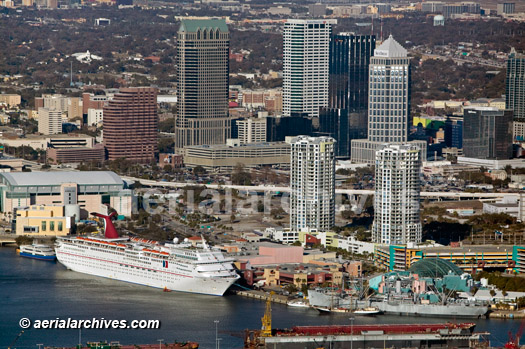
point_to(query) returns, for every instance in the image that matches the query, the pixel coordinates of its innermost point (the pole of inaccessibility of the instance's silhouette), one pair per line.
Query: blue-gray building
(454, 132)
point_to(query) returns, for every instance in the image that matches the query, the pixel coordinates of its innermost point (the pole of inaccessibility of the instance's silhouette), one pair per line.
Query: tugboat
(41, 252)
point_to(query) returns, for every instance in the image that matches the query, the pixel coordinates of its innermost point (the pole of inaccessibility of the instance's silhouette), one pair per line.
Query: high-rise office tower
(515, 85)
(312, 182)
(389, 102)
(487, 133)
(397, 191)
(131, 124)
(305, 65)
(202, 83)
(346, 116)
(49, 121)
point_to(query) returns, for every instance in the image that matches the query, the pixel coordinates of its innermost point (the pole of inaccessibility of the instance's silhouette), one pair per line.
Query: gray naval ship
(450, 310)
(327, 298)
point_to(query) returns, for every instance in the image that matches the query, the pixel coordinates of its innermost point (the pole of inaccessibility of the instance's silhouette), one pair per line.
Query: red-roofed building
(153, 59)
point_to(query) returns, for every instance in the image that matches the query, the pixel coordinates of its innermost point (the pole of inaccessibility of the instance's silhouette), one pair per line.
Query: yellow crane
(266, 320)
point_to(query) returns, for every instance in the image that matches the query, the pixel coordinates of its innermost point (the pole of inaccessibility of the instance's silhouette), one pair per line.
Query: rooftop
(435, 267)
(192, 25)
(60, 177)
(390, 48)
(240, 146)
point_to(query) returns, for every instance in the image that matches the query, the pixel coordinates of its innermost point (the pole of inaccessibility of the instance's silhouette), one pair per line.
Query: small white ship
(42, 252)
(170, 266)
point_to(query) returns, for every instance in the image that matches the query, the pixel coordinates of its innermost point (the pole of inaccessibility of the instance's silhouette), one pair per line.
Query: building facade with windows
(515, 85)
(49, 121)
(305, 65)
(397, 192)
(346, 116)
(487, 133)
(389, 102)
(312, 182)
(43, 220)
(131, 124)
(202, 83)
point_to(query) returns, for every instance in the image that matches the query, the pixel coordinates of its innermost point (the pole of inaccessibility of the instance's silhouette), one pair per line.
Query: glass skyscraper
(346, 116)
(388, 102)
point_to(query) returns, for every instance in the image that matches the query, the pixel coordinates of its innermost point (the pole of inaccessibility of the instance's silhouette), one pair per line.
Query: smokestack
(109, 229)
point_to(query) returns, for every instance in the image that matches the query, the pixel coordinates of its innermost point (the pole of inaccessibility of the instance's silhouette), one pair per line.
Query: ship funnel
(109, 229)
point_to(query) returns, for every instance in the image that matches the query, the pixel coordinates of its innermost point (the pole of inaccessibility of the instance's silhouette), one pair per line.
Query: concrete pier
(263, 296)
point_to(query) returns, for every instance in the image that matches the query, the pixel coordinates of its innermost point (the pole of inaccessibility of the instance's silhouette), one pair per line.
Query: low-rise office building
(75, 154)
(43, 220)
(225, 157)
(56, 141)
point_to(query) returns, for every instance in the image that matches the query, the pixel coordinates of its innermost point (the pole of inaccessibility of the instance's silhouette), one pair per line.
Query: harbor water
(41, 290)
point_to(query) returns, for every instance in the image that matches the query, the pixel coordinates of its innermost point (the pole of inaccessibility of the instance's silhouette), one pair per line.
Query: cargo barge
(117, 345)
(444, 335)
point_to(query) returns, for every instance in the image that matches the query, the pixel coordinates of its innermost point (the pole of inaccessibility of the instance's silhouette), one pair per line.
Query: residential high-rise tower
(305, 65)
(49, 121)
(202, 83)
(515, 85)
(312, 182)
(131, 124)
(397, 191)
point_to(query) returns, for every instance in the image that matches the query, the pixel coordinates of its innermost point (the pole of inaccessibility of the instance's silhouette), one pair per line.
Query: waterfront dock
(7, 239)
(276, 298)
(507, 314)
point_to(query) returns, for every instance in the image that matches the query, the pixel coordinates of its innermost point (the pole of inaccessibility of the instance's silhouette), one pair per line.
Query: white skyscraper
(396, 200)
(312, 182)
(305, 65)
(388, 102)
(49, 121)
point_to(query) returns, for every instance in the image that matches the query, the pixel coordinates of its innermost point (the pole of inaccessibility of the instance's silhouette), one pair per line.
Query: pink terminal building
(274, 254)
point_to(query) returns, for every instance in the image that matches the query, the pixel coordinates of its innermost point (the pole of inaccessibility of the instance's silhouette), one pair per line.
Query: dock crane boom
(266, 320)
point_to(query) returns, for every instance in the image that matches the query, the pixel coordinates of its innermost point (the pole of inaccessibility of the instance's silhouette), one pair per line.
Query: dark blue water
(45, 290)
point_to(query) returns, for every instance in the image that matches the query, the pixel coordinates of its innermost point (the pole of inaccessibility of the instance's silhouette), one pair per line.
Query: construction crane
(514, 341)
(14, 341)
(266, 330)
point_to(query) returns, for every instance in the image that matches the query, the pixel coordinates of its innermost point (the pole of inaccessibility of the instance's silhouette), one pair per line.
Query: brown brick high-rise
(131, 124)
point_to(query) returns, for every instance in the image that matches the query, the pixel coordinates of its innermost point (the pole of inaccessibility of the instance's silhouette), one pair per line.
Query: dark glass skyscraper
(202, 83)
(515, 85)
(346, 116)
(487, 133)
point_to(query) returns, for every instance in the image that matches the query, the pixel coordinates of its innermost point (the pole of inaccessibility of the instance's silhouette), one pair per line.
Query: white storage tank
(72, 211)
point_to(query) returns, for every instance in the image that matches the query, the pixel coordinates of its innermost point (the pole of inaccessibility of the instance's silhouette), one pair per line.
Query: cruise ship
(169, 266)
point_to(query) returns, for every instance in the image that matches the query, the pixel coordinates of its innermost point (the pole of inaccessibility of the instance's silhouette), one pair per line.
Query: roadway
(271, 188)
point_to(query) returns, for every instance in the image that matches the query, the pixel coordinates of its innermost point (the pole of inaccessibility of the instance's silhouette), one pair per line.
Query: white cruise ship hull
(145, 271)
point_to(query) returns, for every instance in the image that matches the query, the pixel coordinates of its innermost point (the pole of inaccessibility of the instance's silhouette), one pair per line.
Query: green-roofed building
(202, 83)
(435, 268)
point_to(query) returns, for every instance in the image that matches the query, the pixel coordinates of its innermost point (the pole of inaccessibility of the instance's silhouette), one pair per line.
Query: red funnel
(109, 229)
